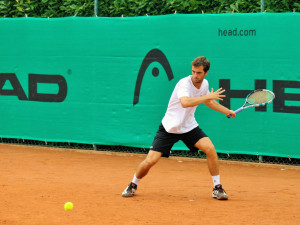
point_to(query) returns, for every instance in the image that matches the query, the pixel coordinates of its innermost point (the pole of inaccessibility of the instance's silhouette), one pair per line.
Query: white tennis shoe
(219, 193)
(130, 190)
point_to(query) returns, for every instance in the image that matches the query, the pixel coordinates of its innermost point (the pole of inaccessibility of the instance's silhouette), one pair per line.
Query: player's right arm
(194, 101)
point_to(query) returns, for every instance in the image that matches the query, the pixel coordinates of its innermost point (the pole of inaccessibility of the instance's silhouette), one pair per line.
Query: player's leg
(205, 145)
(161, 147)
(197, 139)
(144, 167)
(142, 170)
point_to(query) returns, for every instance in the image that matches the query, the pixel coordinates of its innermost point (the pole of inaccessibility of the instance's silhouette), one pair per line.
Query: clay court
(35, 183)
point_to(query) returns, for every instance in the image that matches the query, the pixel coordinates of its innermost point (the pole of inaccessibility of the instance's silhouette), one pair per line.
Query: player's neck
(197, 85)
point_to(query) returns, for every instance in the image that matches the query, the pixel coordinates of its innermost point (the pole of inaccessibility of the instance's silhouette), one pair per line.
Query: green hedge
(109, 8)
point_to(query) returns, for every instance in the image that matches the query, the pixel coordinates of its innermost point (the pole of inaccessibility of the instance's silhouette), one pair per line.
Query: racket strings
(260, 97)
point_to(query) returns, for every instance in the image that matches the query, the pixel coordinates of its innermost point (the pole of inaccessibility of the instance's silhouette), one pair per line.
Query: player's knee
(210, 149)
(149, 162)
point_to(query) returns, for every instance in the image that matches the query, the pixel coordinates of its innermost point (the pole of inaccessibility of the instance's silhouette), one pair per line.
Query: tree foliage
(114, 8)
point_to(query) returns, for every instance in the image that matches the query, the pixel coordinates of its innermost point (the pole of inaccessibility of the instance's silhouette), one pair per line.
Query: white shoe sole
(126, 194)
(223, 197)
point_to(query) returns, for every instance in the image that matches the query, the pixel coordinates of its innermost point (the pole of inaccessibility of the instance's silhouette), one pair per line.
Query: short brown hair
(201, 61)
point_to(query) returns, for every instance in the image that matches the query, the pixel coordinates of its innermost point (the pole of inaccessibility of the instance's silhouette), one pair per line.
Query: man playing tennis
(179, 124)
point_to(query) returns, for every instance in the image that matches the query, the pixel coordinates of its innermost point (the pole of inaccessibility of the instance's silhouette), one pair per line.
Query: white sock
(216, 180)
(135, 180)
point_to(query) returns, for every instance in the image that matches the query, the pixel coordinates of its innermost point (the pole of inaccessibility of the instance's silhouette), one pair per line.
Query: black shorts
(164, 141)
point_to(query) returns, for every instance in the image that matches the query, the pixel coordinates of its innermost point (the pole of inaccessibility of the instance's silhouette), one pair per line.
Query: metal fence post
(96, 7)
(262, 5)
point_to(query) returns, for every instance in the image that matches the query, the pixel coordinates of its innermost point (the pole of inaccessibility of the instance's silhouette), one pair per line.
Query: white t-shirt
(177, 119)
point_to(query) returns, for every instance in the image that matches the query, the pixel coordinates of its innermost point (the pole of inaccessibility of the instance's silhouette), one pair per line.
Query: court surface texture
(35, 182)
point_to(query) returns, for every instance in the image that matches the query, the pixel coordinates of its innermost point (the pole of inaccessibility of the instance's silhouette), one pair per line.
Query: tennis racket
(257, 98)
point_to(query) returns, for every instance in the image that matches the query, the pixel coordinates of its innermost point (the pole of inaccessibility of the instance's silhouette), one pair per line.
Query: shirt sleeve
(183, 90)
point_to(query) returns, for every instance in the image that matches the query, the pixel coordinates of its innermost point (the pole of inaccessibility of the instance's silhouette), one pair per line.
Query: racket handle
(236, 111)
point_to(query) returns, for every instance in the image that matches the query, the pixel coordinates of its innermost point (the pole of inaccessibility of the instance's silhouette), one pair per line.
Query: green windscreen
(108, 81)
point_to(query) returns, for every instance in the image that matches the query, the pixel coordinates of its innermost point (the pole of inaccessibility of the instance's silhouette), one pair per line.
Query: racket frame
(253, 105)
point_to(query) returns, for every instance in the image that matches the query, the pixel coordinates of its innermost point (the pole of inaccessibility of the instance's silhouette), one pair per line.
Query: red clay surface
(36, 182)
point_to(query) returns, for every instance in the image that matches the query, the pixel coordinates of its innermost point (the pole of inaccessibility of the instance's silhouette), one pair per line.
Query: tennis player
(179, 124)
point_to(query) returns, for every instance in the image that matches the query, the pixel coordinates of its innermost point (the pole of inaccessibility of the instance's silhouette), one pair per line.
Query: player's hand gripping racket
(257, 98)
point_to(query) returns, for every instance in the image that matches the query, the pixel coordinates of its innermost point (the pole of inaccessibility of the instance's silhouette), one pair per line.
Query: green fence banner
(108, 81)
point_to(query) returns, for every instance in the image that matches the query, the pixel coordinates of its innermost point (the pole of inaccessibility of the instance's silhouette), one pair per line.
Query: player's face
(198, 75)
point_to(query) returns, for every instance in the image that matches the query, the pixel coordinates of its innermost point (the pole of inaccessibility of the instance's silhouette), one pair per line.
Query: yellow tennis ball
(68, 206)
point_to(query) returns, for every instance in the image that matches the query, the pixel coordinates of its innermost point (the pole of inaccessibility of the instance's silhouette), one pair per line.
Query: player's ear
(206, 73)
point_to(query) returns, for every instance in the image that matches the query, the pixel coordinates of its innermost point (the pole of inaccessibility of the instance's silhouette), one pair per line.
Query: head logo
(155, 55)
(33, 81)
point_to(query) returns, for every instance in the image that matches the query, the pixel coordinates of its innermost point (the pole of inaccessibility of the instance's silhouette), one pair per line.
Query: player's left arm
(213, 104)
